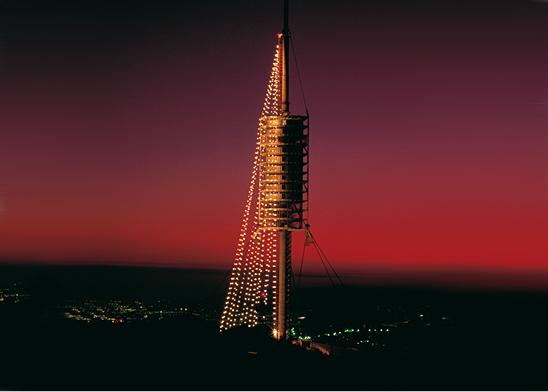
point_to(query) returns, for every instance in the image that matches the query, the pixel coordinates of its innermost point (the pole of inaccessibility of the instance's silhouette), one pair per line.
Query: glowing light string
(253, 276)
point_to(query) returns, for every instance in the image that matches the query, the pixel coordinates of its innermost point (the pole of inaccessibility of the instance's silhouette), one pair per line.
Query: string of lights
(253, 276)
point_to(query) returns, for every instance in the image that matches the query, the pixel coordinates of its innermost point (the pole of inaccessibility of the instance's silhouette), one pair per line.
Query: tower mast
(284, 236)
(262, 263)
(285, 60)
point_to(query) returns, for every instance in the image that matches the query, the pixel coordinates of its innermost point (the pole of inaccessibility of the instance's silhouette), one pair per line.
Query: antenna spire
(286, 17)
(285, 60)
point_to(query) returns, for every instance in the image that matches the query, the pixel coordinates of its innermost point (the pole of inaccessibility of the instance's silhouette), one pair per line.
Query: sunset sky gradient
(127, 130)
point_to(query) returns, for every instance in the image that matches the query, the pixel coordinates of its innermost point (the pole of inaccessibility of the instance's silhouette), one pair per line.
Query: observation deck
(283, 185)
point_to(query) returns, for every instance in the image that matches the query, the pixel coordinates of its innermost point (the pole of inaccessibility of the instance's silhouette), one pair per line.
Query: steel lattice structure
(276, 205)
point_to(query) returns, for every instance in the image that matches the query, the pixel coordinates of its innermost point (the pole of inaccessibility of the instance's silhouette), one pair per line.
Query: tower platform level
(283, 182)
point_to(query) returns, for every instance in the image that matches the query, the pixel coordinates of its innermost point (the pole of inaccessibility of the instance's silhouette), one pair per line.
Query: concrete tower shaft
(283, 187)
(284, 179)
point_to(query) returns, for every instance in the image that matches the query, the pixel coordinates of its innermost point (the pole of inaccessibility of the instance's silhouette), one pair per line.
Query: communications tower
(259, 286)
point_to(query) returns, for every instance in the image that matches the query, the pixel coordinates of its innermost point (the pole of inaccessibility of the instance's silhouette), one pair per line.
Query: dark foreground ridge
(55, 337)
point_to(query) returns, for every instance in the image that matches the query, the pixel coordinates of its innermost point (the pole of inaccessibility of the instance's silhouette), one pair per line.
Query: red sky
(126, 136)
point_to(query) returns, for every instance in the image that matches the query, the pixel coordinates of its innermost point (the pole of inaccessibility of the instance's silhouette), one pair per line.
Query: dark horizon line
(449, 278)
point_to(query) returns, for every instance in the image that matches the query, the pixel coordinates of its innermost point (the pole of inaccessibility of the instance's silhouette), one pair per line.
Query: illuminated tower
(259, 285)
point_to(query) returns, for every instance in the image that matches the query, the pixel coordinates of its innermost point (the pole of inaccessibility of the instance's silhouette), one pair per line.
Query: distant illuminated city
(383, 333)
(116, 311)
(12, 294)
